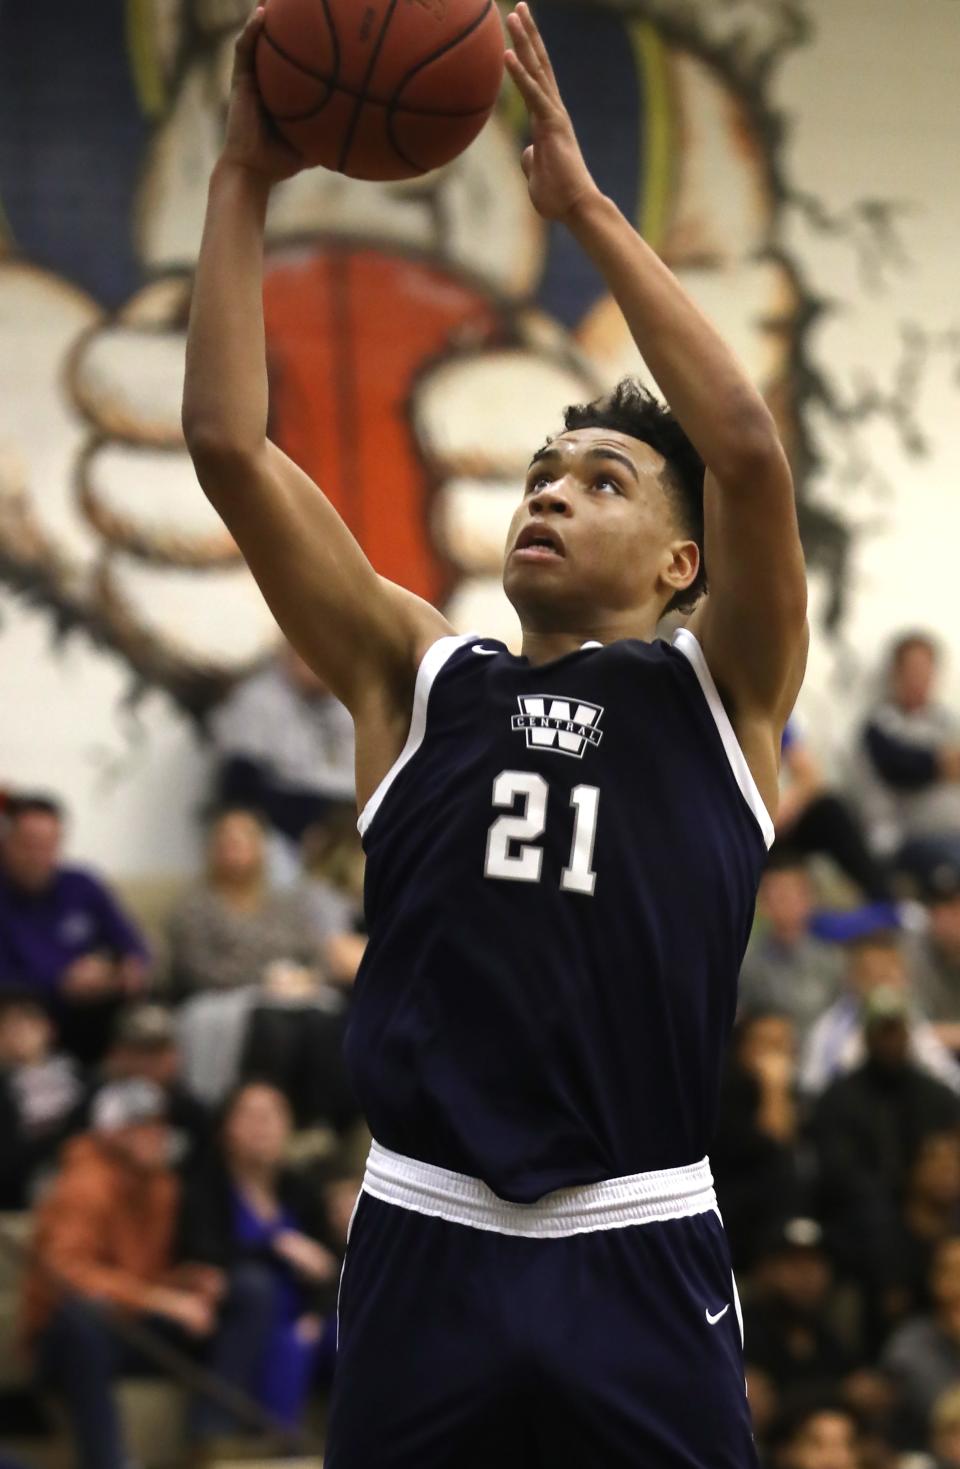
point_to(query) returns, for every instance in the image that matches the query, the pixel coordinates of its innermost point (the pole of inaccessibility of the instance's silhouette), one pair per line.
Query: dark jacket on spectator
(801, 1354)
(869, 1125)
(867, 1128)
(757, 1176)
(37, 1114)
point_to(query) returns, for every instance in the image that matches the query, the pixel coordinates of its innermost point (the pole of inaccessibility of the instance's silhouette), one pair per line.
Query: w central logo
(565, 725)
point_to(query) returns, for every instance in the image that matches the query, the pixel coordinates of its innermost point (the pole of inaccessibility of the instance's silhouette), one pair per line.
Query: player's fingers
(247, 39)
(523, 47)
(538, 103)
(536, 40)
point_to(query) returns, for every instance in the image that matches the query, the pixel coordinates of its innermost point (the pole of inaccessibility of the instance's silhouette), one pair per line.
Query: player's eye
(539, 482)
(604, 482)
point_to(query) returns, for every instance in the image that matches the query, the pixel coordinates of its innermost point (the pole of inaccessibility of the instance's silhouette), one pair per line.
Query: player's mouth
(538, 542)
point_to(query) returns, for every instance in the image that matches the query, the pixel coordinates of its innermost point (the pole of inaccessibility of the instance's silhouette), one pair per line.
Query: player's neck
(541, 645)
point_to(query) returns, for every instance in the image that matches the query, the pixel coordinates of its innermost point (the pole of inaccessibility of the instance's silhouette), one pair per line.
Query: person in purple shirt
(63, 935)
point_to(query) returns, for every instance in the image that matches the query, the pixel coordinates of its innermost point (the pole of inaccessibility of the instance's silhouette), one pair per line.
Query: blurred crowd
(176, 1116)
(174, 1109)
(837, 1154)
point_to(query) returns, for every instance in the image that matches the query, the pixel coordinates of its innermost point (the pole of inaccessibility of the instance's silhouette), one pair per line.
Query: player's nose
(553, 499)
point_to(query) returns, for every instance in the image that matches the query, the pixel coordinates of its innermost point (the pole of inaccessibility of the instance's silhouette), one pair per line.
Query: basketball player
(563, 849)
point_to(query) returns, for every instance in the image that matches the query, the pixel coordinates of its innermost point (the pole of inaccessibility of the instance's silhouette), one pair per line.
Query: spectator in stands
(294, 1039)
(835, 1045)
(231, 925)
(929, 1214)
(868, 1127)
(825, 1436)
(39, 1091)
(103, 1244)
(253, 954)
(945, 1430)
(754, 1150)
(923, 1355)
(935, 952)
(787, 969)
(285, 747)
(334, 865)
(813, 820)
(788, 1331)
(62, 932)
(907, 764)
(255, 1221)
(145, 1048)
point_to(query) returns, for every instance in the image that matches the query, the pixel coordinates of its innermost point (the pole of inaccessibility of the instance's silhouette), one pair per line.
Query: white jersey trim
(430, 665)
(687, 644)
(617, 1203)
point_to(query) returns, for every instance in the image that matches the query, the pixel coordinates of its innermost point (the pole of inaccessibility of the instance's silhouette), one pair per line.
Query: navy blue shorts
(463, 1347)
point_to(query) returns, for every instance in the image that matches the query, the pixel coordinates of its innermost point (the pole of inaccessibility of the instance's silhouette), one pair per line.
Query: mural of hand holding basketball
(403, 332)
(390, 424)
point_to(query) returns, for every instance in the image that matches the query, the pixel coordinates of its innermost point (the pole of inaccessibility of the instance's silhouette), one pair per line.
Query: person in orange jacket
(103, 1242)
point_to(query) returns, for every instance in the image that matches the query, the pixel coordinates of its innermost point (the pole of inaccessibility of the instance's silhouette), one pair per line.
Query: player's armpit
(362, 635)
(752, 625)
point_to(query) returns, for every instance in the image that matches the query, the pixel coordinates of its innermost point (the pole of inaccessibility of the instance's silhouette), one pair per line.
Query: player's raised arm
(753, 623)
(363, 635)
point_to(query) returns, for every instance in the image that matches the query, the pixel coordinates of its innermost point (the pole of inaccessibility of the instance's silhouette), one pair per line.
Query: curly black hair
(632, 409)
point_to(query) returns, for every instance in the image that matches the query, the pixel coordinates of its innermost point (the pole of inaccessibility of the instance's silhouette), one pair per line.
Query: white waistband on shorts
(639, 1198)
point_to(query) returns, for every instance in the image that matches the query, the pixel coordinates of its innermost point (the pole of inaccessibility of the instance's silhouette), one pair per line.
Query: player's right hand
(251, 140)
(556, 173)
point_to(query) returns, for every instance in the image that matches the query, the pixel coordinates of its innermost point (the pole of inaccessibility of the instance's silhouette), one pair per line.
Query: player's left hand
(556, 173)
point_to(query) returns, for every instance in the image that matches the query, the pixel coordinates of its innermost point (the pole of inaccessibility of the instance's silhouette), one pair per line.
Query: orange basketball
(380, 89)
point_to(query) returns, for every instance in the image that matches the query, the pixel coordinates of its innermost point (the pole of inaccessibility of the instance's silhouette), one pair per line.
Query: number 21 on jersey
(512, 851)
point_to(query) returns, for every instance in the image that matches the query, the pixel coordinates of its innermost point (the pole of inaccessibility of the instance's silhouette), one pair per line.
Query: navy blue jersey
(561, 874)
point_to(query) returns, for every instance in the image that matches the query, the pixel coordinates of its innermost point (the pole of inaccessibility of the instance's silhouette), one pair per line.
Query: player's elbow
(754, 454)
(220, 458)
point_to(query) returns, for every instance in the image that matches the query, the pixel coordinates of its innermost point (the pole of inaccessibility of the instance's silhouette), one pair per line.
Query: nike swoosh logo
(714, 1319)
(486, 652)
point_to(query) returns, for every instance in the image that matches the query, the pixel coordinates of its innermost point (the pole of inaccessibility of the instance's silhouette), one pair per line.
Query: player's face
(595, 532)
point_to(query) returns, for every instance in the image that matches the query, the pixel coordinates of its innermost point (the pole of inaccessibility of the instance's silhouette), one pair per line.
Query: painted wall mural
(422, 337)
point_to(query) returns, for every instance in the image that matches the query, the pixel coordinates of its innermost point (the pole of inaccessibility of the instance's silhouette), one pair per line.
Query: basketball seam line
(338, 86)
(334, 83)
(334, 39)
(329, 82)
(374, 58)
(395, 105)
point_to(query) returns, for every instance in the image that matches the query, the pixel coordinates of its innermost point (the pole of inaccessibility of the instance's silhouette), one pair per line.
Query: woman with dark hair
(261, 1225)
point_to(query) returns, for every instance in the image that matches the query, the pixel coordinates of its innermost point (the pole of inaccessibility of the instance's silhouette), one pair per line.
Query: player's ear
(681, 565)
